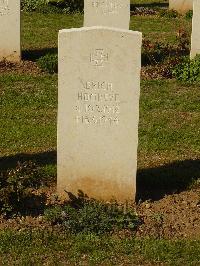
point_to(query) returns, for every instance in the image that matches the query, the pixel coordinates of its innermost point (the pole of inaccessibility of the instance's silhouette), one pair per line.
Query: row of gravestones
(98, 100)
(97, 12)
(98, 105)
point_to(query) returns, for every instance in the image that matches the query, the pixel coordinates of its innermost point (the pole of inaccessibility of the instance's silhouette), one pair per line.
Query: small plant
(69, 6)
(144, 11)
(92, 216)
(50, 6)
(188, 71)
(168, 13)
(48, 63)
(33, 5)
(189, 14)
(183, 42)
(158, 217)
(154, 53)
(16, 186)
(165, 69)
(195, 183)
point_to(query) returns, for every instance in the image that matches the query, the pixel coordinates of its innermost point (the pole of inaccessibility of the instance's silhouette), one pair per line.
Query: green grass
(169, 116)
(168, 135)
(169, 111)
(40, 31)
(28, 120)
(160, 29)
(41, 248)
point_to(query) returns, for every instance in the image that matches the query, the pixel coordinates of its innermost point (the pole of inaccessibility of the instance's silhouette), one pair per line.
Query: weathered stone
(98, 111)
(10, 30)
(109, 13)
(195, 46)
(181, 6)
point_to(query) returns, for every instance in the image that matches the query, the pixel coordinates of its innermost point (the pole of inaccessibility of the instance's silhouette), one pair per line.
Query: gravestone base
(10, 47)
(11, 57)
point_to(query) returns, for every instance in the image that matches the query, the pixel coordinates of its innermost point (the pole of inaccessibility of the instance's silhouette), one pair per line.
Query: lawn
(40, 31)
(45, 248)
(168, 154)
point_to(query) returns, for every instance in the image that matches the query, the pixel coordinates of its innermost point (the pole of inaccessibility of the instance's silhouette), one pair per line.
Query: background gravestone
(98, 111)
(181, 6)
(10, 30)
(195, 46)
(110, 13)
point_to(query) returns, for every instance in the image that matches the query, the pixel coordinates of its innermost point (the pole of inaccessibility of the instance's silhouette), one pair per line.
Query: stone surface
(195, 46)
(109, 13)
(181, 6)
(98, 111)
(10, 30)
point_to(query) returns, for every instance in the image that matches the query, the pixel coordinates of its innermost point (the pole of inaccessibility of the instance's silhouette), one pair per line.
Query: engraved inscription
(98, 97)
(108, 6)
(97, 120)
(97, 103)
(98, 58)
(97, 85)
(4, 8)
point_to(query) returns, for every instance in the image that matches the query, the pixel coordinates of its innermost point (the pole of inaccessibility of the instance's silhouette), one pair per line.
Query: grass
(159, 29)
(168, 130)
(168, 148)
(28, 120)
(169, 115)
(169, 118)
(41, 248)
(172, 107)
(40, 31)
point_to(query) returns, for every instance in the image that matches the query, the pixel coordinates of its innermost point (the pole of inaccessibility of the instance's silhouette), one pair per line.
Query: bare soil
(27, 67)
(174, 216)
(30, 67)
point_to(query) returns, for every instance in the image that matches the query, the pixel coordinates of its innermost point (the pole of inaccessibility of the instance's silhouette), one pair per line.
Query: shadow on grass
(44, 158)
(152, 183)
(33, 55)
(149, 5)
(155, 183)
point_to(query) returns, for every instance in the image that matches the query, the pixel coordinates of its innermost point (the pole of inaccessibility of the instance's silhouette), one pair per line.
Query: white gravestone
(181, 6)
(195, 46)
(98, 111)
(10, 48)
(109, 13)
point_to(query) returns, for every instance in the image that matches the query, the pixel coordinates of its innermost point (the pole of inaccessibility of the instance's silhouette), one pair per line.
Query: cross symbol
(98, 57)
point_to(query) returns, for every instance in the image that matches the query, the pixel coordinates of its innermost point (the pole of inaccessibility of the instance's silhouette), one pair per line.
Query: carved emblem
(108, 6)
(98, 57)
(4, 7)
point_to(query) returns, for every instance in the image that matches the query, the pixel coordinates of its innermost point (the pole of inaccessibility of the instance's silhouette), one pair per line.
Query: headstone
(10, 30)
(98, 111)
(182, 6)
(109, 13)
(195, 46)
